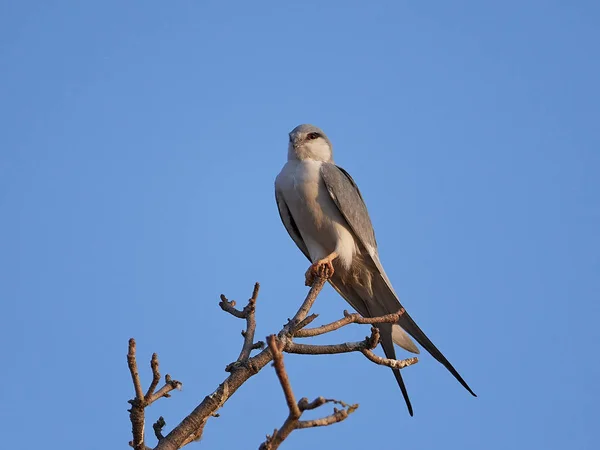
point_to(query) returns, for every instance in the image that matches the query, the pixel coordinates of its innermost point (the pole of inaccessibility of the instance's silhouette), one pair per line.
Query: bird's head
(309, 142)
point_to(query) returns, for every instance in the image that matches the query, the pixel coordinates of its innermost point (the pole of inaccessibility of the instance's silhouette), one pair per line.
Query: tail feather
(376, 298)
(390, 353)
(402, 339)
(370, 309)
(387, 299)
(409, 325)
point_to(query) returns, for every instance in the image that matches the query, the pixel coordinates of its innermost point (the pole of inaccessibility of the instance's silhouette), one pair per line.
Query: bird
(324, 213)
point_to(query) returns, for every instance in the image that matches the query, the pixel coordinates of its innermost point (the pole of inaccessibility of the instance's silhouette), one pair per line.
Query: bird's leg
(323, 268)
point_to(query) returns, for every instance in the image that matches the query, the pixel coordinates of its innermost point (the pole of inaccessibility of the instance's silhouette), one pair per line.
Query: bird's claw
(322, 269)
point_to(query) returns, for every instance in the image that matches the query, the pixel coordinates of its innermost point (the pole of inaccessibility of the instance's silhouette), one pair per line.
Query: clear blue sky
(138, 148)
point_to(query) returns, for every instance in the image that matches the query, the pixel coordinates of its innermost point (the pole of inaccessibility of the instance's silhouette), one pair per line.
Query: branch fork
(296, 409)
(247, 313)
(141, 401)
(191, 427)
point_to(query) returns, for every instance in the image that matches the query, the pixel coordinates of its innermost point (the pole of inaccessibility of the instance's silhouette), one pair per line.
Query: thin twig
(283, 377)
(158, 426)
(141, 401)
(247, 313)
(337, 416)
(296, 409)
(370, 342)
(365, 347)
(170, 385)
(306, 305)
(155, 376)
(229, 306)
(249, 310)
(307, 321)
(131, 361)
(348, 319)
(393, 363)
(136, 413)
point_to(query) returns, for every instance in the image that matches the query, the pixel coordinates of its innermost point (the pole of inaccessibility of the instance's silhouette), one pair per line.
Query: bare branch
(309, 301)
(369, 343)
(155, 376)
(158, 426)
(337, 416)
(192, 426)
(305, 323)
(283, 377)
(170, 385)
(250, 310)
(141, 401)
(135, 376)
(365, 347)
(296, 409)
(309, 349)
(136, 413)
(393, 363)
(247, 313)
(348, 319)
(229, 306)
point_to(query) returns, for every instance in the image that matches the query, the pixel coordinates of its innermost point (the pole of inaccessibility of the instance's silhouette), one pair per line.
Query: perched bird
(325, 214)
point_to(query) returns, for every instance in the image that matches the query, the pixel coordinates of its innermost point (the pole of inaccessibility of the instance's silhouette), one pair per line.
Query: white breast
(318, 219)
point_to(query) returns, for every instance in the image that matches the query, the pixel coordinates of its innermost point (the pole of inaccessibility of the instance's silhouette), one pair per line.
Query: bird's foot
(323, 268)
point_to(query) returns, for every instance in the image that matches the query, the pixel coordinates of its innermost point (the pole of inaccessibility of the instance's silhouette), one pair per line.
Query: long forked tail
(387, 300)
(388, 348)
(409, 325)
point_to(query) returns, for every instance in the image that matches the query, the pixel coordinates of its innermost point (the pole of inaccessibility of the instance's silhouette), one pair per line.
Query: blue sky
(139, 145)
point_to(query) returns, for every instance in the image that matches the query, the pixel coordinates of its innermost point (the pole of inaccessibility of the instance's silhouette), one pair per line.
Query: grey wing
(345, 194)
(289, 224)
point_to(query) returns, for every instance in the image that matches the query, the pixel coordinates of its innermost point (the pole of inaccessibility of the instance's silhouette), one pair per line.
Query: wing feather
(347, 197)
(289, 224)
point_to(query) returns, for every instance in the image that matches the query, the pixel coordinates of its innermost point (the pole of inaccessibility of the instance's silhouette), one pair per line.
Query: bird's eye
(311, 136)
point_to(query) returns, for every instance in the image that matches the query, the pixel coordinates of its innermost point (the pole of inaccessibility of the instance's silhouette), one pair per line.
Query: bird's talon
(321, 269)
(309, 276)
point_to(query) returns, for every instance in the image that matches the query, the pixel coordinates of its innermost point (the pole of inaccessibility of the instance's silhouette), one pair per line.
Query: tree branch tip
(157, 427)
(352, 408)
(372, 340)
(303, 323)
(176, 385)
(255, 291)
